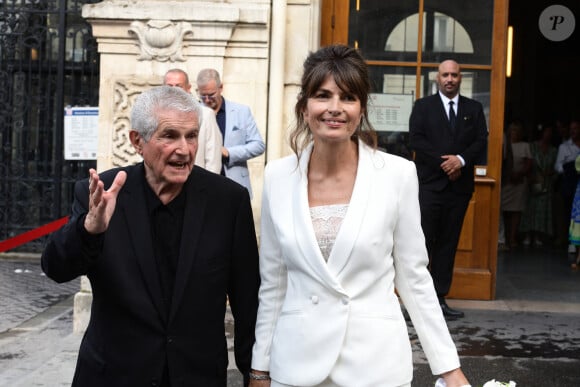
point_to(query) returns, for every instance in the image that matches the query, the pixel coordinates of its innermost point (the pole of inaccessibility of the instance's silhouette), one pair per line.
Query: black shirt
(166, 228)
(220, 117)
(221, 121)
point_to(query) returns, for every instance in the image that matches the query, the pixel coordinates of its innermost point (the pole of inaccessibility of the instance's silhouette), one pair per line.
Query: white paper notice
(390, 112)
(81, 133)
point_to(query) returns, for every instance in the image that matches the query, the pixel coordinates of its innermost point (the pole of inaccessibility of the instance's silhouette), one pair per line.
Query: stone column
(139, 40)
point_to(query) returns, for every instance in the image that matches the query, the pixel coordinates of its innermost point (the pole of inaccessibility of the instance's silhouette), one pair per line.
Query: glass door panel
(392, 98)
(389, 30)
(384, 30)
(461, 30)
(393, 79)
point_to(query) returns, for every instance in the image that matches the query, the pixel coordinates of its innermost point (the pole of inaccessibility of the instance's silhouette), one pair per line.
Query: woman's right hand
(455, 378)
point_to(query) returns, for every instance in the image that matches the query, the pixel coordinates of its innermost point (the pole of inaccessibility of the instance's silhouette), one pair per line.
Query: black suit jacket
(130, 335)
(430, 137)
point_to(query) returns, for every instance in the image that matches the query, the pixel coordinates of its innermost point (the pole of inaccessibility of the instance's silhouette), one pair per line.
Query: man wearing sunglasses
(241, 137)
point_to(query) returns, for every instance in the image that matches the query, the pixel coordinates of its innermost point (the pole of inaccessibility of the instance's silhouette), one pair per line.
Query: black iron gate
(48, 60)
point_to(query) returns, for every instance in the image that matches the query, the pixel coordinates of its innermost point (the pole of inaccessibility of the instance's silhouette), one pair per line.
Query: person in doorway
(163, 243)
(341, 231)
(537, 219)
(574, 230)
(565, 167)
(561, 132)
(241, 138)
(209, 150)
(561, 225)
(448, 134)
(515, 182)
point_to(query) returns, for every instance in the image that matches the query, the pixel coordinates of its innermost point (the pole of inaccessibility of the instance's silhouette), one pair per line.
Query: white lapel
(346, 238)
(352, 223)
(231, 117)
(303, 229)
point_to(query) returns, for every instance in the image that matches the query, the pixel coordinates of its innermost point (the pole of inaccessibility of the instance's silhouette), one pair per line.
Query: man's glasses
(209, 97)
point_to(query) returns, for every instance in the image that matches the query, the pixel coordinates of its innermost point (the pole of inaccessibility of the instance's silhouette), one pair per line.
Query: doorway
(543, 91)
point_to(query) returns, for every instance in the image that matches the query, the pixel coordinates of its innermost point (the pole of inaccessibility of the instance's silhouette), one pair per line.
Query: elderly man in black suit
(164, 243)
(448, 134)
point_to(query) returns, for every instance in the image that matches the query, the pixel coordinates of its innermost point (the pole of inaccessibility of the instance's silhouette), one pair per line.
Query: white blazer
(342, 318)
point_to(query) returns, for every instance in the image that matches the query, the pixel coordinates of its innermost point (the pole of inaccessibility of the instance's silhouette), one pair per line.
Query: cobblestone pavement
(25, 291)
(535, 349)
(531, 334)
(37, 346)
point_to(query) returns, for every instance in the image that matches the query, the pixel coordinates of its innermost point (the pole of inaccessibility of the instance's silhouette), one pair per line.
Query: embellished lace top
(326, 221)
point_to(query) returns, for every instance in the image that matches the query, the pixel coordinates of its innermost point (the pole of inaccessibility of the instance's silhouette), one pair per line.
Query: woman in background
(537, 221)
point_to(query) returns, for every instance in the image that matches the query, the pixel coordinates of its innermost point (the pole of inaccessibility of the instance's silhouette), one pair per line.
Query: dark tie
(452, 116)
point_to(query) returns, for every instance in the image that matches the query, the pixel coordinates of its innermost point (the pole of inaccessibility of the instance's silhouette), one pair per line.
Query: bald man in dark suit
(448, 134)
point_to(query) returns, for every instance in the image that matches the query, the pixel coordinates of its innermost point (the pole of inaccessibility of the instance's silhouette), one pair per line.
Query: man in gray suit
(241, 138)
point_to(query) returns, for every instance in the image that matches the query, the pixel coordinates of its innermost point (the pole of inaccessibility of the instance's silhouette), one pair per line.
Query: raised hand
(102, 203)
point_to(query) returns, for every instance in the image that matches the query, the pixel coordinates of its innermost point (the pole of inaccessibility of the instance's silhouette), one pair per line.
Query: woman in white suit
(341, 230)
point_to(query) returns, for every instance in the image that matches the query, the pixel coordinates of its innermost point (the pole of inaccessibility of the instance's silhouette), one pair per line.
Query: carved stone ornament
(161, 40)
(125, 92)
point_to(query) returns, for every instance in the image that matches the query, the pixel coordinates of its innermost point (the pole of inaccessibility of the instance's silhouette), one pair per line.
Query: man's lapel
(193, 216)
(132, 202)
(463, 114)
